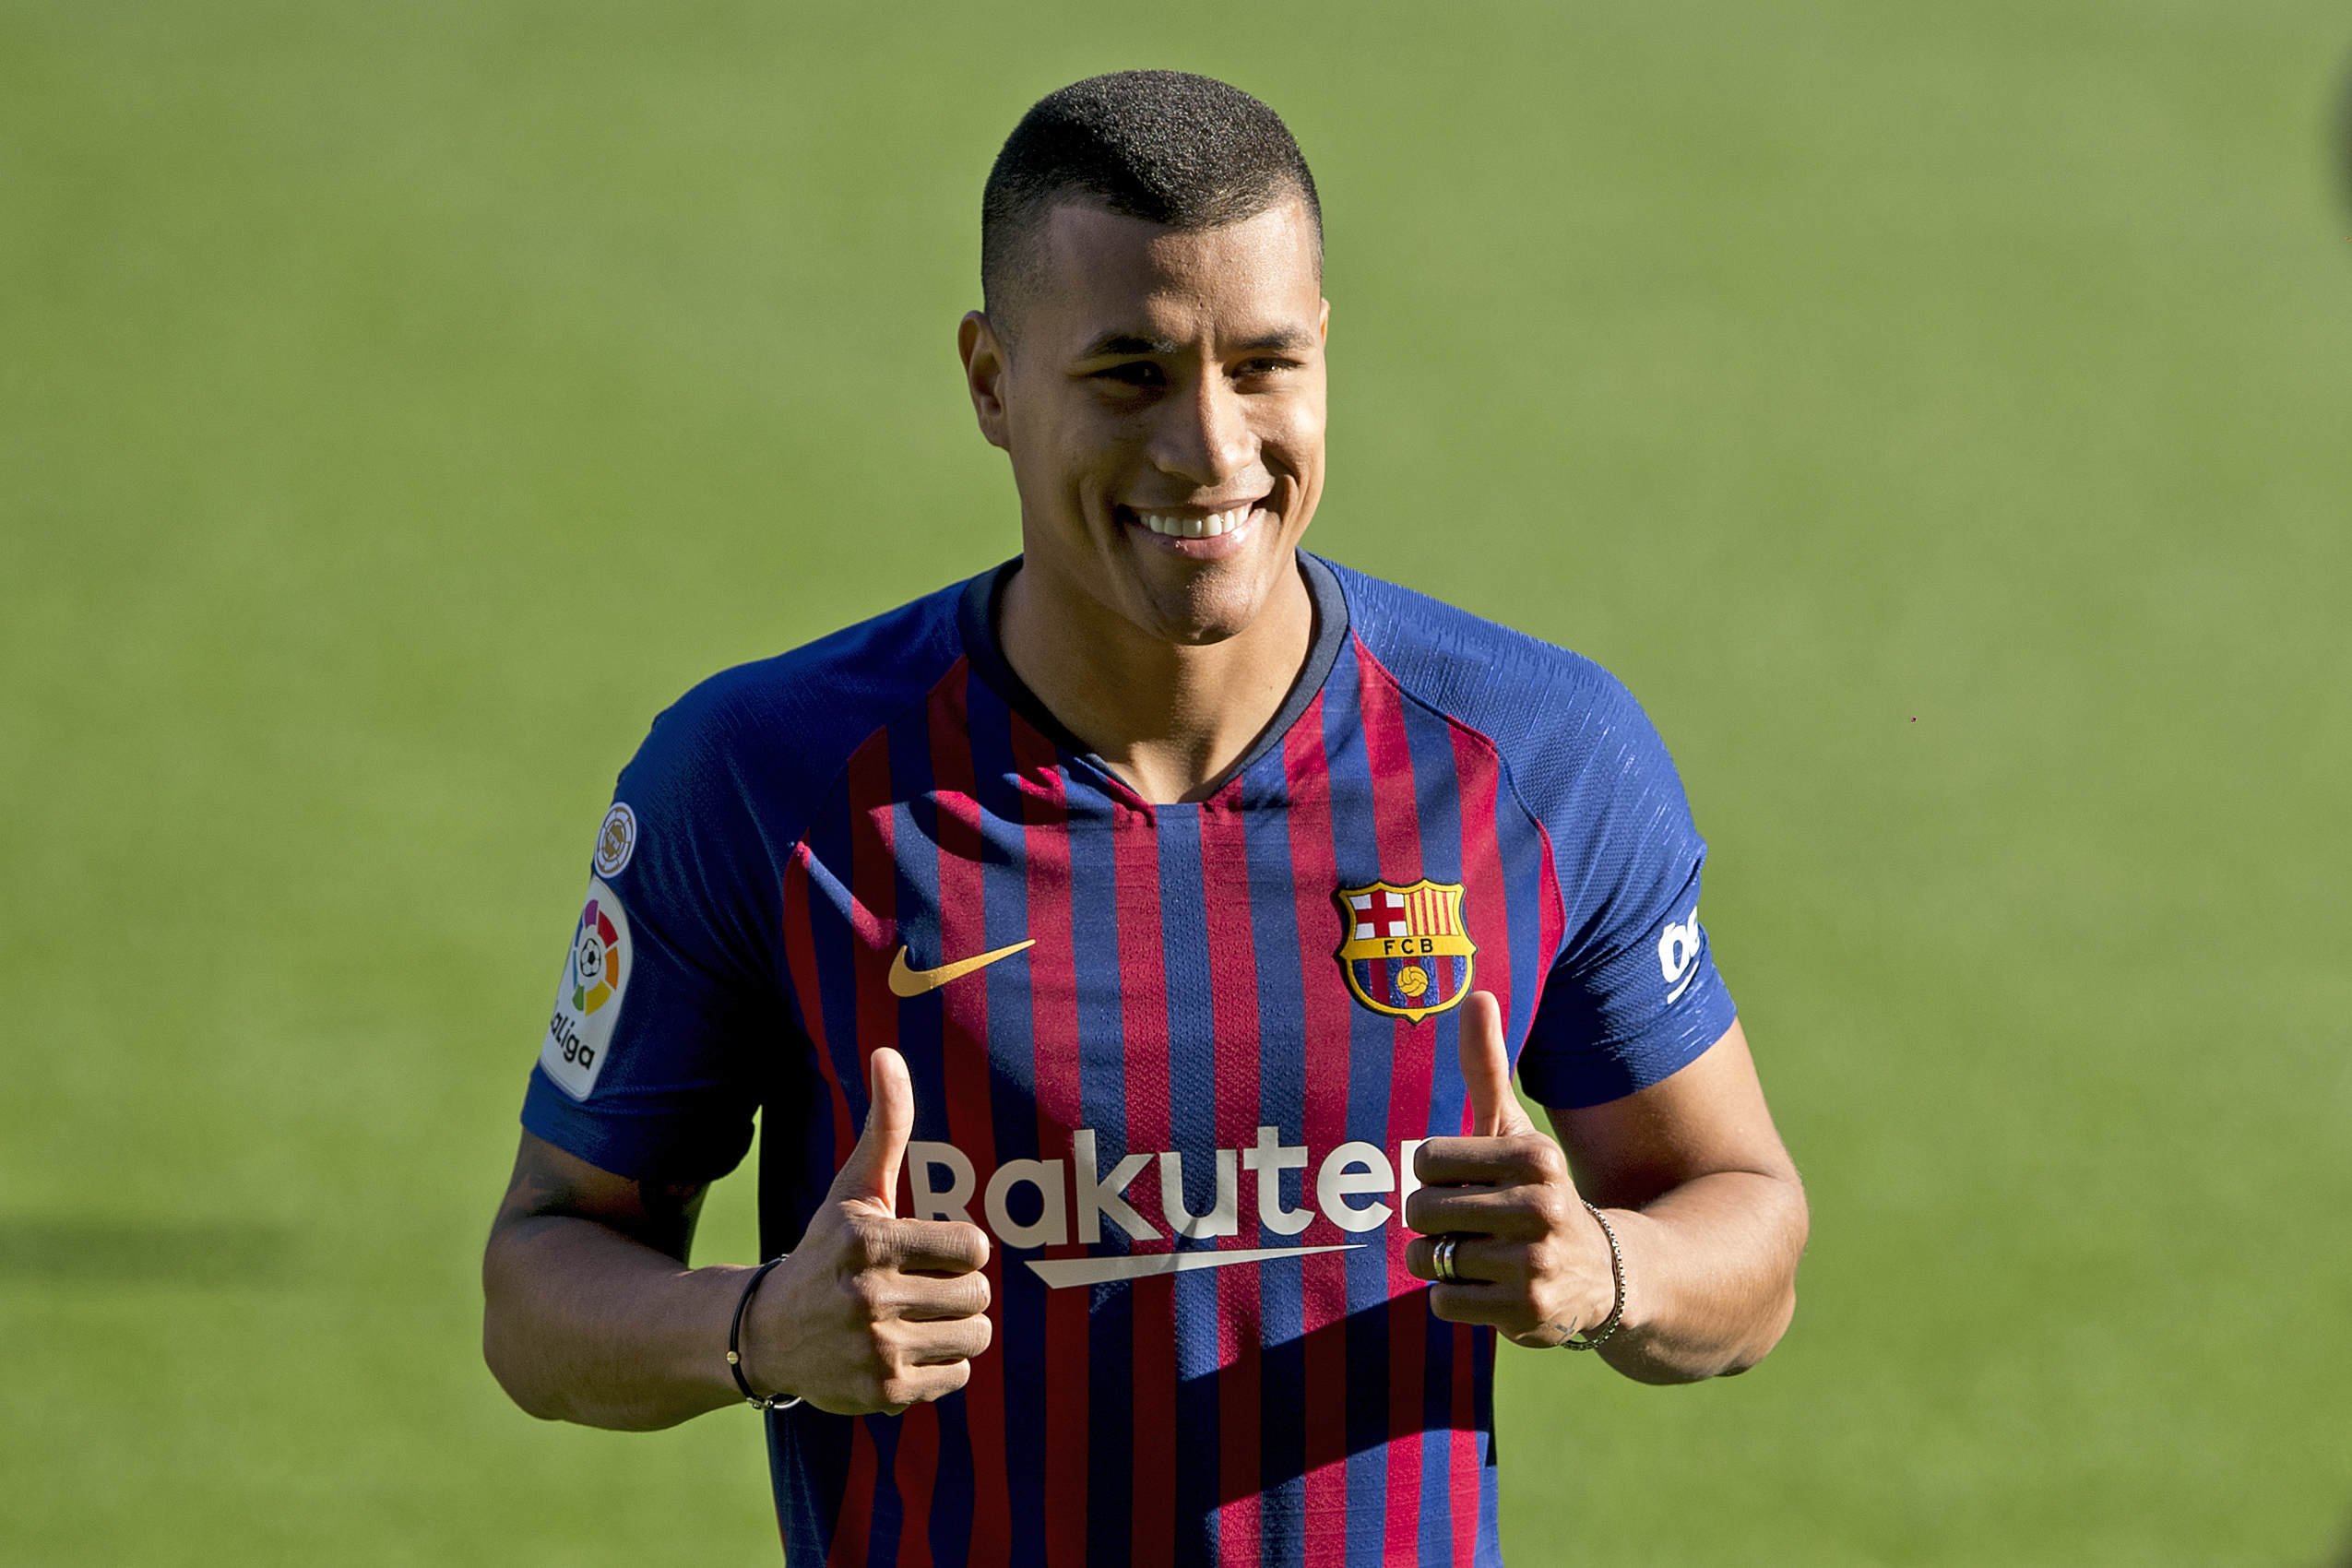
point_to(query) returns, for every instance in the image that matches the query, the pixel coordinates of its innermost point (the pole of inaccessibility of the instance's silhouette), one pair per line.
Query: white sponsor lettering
(940, 1202)
(1222, 1220)
(1099, 1198)
(1052, 1225)
(1340, 1178)
(941, 1181)
(1270, 1160)
(1678, 954)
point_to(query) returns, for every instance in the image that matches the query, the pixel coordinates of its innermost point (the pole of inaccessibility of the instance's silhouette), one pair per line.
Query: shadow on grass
(120, 1252)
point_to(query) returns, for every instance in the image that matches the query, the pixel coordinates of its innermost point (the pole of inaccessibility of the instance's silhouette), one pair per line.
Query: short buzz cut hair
(1167, 146)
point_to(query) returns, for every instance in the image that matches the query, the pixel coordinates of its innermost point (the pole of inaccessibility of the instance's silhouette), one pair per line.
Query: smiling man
(1129, 951)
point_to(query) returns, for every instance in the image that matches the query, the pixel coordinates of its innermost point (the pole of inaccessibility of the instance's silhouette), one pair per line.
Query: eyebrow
(1287, 340)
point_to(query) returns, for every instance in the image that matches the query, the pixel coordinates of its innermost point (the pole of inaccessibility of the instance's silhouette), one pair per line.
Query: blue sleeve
(668, 990)
(1633, 996)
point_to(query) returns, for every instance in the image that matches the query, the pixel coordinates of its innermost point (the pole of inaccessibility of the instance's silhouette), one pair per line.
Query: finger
(1520, 1214)
(922, 1384)
(944, 1344)
(871, 1172)
(1486, 1068)
(915, 1298)
(1528, 1160)
(1496, 1306)
(1478, 1260)
(946, 1248)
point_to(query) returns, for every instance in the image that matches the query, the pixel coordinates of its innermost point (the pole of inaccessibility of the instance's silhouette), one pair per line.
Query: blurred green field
(1927, 409)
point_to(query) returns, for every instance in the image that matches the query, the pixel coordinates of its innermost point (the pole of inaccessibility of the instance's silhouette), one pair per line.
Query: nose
(1205, 437)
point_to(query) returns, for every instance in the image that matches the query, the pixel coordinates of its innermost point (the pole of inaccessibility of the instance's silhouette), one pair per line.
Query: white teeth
(1216, 523)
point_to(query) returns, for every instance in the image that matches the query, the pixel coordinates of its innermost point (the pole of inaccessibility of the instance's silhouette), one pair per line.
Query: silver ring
(1441, 1259)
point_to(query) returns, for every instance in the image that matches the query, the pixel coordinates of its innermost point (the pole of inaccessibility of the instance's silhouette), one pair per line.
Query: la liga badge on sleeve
(1405, 950)
(588, 999)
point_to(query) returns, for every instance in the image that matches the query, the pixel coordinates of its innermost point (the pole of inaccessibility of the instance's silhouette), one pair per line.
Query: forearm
(582, 1324)
(1711, 1275)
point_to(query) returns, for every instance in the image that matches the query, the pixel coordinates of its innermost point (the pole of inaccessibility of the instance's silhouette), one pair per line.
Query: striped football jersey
(1175, 1059)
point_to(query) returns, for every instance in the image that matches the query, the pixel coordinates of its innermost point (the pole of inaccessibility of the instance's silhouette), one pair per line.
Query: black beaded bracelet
(735, 1344)
(1617, 1276)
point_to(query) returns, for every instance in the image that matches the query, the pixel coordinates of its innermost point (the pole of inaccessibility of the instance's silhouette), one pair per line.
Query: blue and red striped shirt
(1185, 1103)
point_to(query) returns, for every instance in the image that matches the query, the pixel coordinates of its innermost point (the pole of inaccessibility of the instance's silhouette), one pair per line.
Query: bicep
(552, 1183)
(1707, 1118)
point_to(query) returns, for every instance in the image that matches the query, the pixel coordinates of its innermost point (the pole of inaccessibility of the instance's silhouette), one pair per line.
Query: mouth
(1199, 532)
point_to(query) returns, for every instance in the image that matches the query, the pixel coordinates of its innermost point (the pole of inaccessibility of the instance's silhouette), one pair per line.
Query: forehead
(1106, 273)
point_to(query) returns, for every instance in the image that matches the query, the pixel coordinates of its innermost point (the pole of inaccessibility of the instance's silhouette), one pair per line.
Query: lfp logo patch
(1404, 950)
(588, 999)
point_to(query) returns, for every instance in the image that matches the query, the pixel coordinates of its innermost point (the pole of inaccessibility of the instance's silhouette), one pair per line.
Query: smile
(1201, 533)
(1176, 525)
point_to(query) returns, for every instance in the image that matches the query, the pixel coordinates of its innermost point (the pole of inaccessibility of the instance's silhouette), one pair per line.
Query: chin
(1212, 602)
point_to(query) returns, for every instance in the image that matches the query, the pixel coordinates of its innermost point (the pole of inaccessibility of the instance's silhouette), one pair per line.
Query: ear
(986, 368)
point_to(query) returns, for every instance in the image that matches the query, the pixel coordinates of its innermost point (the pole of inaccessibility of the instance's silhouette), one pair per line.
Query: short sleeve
(1633, 996)
(649, 1066)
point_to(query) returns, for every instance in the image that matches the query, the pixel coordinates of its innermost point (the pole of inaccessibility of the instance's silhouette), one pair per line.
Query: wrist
(1605, 1317)
(738, 1348)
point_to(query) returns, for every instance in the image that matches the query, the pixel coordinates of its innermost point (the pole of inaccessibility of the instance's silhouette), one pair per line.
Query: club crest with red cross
(1405, 950)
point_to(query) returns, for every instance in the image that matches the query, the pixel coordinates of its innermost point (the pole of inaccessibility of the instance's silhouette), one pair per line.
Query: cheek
(1293, 440)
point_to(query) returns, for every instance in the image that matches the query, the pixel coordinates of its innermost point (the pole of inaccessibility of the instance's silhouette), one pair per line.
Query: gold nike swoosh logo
(905, 981)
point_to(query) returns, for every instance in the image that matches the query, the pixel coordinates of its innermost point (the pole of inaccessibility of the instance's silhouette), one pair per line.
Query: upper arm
(550, 1183)
(1707, 1118)
(1631, 996)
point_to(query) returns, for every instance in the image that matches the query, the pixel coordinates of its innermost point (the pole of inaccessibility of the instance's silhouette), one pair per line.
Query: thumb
(871, 1172)
(1495, 1111)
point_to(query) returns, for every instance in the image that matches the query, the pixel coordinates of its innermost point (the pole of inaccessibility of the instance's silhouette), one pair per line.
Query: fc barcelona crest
(1404, 950)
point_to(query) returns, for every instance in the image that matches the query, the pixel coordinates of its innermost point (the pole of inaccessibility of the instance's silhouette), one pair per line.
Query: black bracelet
(735, 1343)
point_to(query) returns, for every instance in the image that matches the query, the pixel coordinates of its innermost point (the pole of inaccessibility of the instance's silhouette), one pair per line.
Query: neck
(1169, 718)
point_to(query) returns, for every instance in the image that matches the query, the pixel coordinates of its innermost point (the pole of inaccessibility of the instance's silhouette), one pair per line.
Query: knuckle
(1547, 1204)
(868, 1242)
(1538, 1158)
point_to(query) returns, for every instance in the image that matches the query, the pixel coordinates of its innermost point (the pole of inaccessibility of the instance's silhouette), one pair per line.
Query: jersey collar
(982, 599)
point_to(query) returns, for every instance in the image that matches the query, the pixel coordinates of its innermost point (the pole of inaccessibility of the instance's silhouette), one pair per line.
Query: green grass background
(1942, 415)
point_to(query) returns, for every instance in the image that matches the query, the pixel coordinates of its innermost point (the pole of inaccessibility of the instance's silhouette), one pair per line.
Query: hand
(871, 1311)
(1534, 1263)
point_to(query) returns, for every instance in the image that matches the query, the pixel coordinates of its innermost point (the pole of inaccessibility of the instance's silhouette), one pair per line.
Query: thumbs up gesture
(1527, 1259)
(871, 1311)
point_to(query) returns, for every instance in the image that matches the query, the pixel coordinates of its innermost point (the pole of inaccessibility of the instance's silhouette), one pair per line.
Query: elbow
(506, 1344)
(512, 1373)
(1767, 1336)
(1668, 1365)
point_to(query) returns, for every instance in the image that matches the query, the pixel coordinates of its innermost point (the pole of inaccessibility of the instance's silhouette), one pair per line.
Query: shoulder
(776, 733)
(1545, 709)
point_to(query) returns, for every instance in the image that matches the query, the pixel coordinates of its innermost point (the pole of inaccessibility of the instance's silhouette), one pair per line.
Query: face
(1163, 407)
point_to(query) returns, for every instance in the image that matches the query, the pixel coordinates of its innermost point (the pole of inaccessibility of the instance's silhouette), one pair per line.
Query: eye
(1131, 373)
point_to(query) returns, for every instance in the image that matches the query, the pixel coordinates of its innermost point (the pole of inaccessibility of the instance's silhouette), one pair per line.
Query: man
(1120, 946)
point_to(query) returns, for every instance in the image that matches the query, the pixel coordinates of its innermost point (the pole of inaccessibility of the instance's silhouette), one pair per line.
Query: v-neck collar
(982, 601)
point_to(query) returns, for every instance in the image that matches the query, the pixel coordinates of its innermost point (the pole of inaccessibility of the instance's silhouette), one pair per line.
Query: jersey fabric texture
(1185, 1112)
